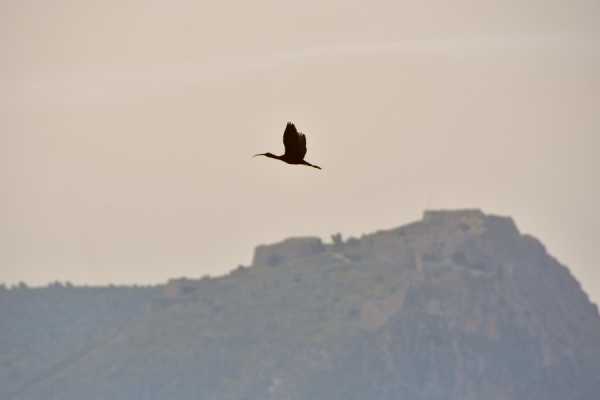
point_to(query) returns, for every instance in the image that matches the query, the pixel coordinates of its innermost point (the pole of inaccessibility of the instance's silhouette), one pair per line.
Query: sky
(127, 128)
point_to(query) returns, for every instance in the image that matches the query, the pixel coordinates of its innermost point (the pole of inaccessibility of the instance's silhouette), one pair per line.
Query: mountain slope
(459, 305)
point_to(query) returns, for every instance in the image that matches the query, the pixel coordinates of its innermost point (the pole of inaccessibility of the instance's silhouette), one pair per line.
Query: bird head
(264, 154)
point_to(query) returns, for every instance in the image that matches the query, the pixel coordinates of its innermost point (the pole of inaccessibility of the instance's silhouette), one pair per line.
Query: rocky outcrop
(289, 249)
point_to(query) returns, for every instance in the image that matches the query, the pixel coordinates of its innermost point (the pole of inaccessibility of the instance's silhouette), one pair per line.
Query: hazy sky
(127, 128)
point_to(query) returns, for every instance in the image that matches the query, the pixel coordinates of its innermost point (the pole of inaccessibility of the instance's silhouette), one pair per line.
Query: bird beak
(256, 155)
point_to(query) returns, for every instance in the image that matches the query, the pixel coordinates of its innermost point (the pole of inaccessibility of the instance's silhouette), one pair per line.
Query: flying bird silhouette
(295, 147)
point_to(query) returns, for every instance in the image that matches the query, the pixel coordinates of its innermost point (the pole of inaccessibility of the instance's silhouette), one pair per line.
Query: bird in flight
(295, 147)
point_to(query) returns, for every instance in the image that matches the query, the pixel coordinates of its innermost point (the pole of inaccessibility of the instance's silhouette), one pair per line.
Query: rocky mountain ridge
(458, 305)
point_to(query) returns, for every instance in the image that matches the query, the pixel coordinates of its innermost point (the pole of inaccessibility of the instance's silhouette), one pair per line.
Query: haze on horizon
(128, 127)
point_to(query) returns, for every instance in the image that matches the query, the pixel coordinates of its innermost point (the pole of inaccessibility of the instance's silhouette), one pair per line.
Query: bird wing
(294, 142)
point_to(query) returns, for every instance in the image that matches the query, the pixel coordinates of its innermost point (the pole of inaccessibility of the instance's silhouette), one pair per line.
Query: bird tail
(312, 165)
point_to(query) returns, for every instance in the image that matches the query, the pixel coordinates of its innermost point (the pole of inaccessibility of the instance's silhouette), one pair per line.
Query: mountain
(458, 305)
